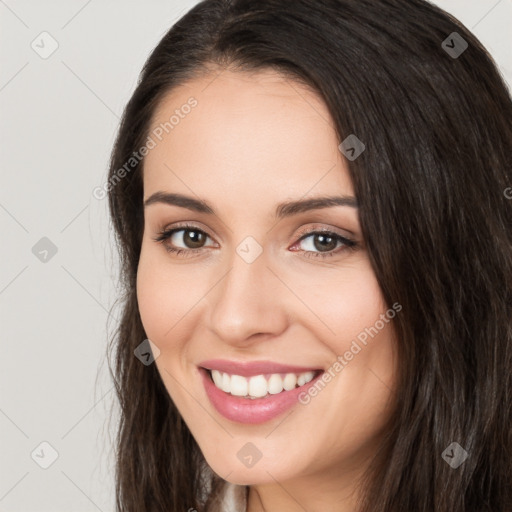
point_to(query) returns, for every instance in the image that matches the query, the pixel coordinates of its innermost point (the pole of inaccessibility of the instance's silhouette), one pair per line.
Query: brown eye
(183, 240)
(322, 244)
(323, 241)
(193, 239)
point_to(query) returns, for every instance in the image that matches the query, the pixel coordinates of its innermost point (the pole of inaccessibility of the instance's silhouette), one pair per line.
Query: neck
(309, 493)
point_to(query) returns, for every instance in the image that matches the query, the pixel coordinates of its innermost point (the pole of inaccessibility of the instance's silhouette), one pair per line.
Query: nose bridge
(244, 301)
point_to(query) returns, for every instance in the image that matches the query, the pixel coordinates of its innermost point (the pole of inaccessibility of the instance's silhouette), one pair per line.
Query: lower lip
(248, 410)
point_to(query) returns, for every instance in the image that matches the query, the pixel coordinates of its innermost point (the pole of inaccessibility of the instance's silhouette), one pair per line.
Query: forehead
(241, 131)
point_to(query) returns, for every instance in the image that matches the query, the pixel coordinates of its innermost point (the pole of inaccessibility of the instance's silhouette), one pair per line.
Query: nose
(248, 304)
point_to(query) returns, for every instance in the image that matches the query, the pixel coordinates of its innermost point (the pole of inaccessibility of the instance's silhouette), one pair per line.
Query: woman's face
(258, 291)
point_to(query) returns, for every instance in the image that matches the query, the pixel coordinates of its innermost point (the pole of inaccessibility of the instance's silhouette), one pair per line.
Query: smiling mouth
(260, 386)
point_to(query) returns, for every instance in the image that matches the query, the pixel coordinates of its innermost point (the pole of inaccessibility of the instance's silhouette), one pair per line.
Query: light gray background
(58, 121)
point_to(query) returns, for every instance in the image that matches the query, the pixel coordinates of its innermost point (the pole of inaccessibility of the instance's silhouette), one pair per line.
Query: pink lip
(252, 411)
(249, 369)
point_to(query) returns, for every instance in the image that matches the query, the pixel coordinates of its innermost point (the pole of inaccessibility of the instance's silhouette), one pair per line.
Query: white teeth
(226, 383)
(275, 384)
(258, 386)
(238, 385)
(289, 381)
(217, 378)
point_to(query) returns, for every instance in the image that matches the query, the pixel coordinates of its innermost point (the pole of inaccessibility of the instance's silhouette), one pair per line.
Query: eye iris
(193, 239)
(324, 242)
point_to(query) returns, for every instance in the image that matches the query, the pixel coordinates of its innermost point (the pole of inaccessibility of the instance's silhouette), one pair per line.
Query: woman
(310, 204)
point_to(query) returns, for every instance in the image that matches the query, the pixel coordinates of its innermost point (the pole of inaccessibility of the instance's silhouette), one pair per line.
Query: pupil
(326, 242)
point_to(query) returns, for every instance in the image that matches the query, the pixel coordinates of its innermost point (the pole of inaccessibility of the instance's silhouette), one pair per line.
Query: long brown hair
(435, 117)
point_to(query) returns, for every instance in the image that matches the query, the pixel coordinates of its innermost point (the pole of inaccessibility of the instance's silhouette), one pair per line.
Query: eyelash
(167, 233)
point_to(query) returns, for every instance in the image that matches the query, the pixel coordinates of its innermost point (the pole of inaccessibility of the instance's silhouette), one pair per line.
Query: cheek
(152, 307)
(162, 299)
(168, 305)
(346, 305)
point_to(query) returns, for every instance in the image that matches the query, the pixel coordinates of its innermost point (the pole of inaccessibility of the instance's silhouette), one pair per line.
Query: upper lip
(251, 368)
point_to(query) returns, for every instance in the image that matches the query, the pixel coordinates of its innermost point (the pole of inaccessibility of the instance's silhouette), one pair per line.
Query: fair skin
(254, 141)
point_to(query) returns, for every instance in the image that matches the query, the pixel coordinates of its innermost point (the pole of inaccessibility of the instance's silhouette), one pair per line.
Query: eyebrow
(286, 209)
